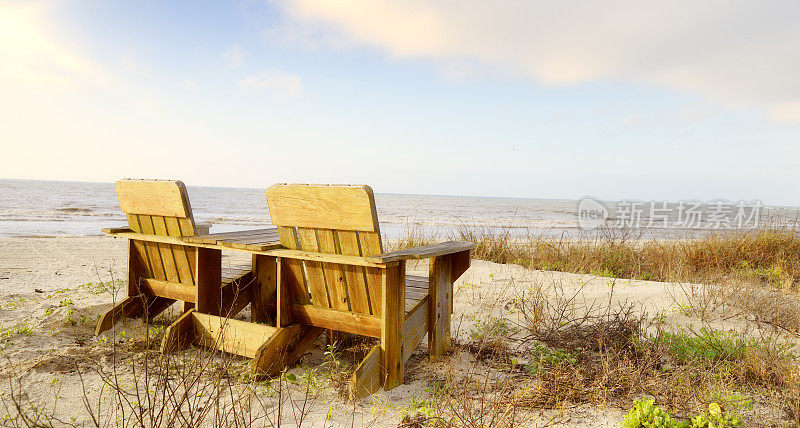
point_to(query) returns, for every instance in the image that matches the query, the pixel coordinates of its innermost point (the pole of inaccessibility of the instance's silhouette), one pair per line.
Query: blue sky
(624, 101)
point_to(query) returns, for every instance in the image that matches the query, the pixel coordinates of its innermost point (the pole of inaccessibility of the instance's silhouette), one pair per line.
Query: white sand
(42, 287)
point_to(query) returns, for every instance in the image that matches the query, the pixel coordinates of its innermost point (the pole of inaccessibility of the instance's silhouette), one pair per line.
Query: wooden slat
(230, 335)
(153, 252)
(370, 243)
(423, 252)
(349, 322)
(293, 276)
(167, 257)
(186, 225)
(323, 207)
(314, 274)
(180, 252)
(416, 326)
(170, 290)
(141, 249)
(357, 290)
(334, 275)
(366, 380)
(393, 281)
(268, 234)
(322, 257)
(374, 286)
(153, 197)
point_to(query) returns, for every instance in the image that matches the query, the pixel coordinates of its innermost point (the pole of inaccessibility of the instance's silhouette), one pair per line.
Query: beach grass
(764, 256)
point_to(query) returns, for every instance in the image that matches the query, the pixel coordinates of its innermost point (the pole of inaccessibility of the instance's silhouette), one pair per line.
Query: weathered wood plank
(314, 274)
(416, 326)
(130, 307)
(441, 295)
(230, 335)
(393, 280)
(294, 277)
(179, 252)
(423, 252)
(169, 290)
(366, 380)
(357, 290)
(323, 207)
(153, 252)
(180, 334)
(460, 263)
(334, 319)
(283, 349)
(370, 243)
(208, 277)
(264, 292)
(334, 275)
(153, 197)
(284, 315)
(167, 257)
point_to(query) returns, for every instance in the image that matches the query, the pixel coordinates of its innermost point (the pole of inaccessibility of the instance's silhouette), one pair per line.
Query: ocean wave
(481, 222)
(74, 210)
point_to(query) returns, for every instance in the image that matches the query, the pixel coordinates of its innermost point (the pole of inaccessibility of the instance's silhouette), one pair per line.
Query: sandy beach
(53, 290)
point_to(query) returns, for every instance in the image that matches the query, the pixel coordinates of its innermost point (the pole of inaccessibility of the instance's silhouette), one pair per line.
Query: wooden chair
(334, 274)
(161, 273)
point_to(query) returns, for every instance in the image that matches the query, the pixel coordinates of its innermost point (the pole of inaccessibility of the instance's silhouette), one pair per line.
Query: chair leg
(133, 307)
(394, 305)
(441, 302)
(283, 349)
(179, 334)
(366, 380)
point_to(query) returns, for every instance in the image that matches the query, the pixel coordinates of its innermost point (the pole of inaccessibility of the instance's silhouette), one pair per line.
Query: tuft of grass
(19, 329)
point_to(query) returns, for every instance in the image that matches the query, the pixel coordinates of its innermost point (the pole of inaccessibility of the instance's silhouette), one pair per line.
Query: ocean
(30, 208)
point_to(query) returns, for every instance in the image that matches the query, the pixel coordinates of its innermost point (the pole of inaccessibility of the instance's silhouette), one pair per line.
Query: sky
(536, 99)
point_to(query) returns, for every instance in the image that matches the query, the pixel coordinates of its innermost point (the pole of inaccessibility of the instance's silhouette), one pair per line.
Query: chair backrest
(333, 219)
(160, 207)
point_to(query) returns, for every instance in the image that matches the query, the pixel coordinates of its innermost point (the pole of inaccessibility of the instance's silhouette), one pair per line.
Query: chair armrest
(424, 252)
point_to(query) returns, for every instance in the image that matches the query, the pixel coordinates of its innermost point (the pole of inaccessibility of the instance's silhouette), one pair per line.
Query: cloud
(739, 53)
(275, 81)
(31, 56)
(233, 56)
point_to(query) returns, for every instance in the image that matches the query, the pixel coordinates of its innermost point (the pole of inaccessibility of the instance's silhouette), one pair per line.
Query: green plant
(492, 329)
(22, 328)
(646, 414)
(715, 418)
(706, 347)
(544, 357)
(101, 287)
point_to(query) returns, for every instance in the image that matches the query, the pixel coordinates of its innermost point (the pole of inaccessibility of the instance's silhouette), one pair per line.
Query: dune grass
(764, 256)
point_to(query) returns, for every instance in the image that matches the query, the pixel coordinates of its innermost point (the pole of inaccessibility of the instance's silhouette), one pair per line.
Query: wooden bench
(329, 271)
(338, 277)
(161, 268)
